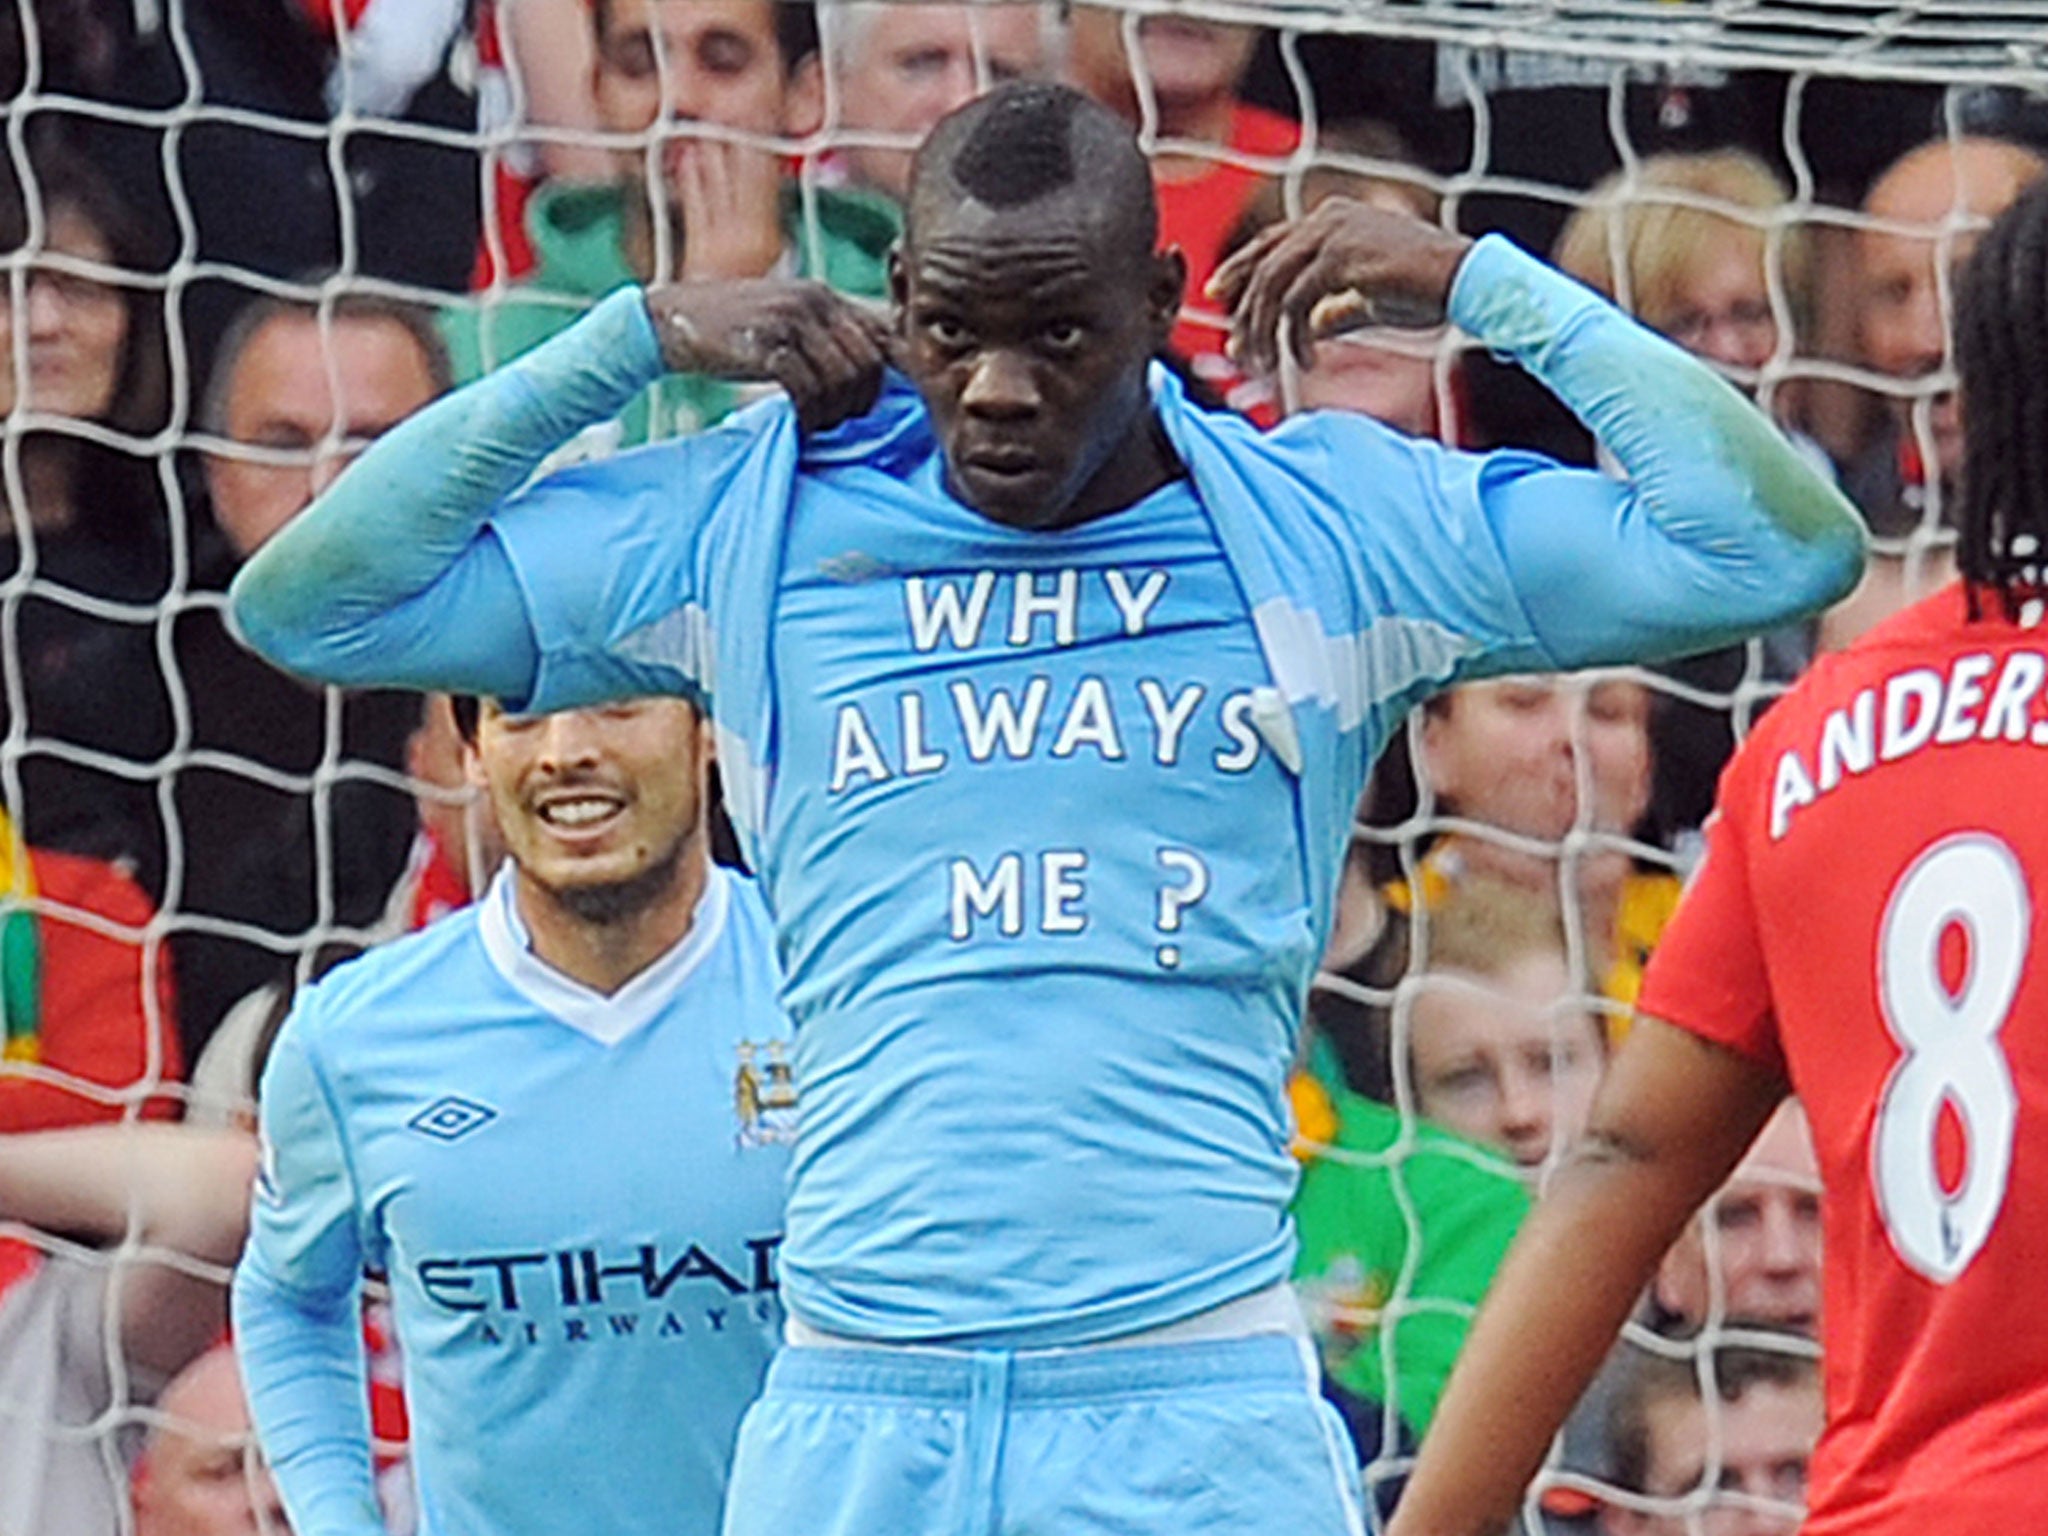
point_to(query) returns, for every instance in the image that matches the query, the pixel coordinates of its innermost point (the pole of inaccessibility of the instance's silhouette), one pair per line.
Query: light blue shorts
(1214, 1438)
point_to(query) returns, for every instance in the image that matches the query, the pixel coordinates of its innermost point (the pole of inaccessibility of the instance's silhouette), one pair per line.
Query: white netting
(229, 825)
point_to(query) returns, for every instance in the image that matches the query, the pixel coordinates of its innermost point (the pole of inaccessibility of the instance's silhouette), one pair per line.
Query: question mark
(1175, 899)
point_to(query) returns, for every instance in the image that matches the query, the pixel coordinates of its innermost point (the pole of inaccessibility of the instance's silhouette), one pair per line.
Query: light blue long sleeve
(384, 579)
(302, 1362)
(297, 1301)
(1724, 529)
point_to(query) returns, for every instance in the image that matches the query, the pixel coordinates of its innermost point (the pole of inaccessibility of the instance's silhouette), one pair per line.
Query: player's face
(1028, 336)
(1765, 1439)
(1508, 753)
(75, 327)
(1186, 61)
(915, 63)
(1509, 1060)
(303, 403)
(702, 61)
(597, 806)
(1761, 1234)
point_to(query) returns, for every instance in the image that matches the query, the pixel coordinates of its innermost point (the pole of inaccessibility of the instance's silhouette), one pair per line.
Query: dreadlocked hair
(2002, 356)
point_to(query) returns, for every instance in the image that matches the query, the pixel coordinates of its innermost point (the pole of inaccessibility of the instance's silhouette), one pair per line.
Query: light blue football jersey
(577, 1200)
(1051, 823)
(1079, 895)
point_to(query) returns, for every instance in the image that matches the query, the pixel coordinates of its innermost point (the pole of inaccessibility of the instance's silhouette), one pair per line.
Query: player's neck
(604, 954)
(1144, 463)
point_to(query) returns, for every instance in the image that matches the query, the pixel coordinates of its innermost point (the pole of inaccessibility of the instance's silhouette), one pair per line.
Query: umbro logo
(451, 1118)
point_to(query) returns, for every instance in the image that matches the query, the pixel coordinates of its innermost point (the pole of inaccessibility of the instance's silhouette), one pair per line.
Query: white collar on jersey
(607, 1020)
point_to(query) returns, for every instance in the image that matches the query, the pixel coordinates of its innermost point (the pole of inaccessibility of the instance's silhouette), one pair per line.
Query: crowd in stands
(206, 318)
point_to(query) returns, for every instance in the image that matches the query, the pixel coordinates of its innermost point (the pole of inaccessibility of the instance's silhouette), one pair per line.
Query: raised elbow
(266, 614)
(1827, 546)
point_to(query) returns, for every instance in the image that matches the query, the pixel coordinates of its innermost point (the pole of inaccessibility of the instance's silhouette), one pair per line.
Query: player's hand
(730, 197)
(827, 351)
(1343, 266)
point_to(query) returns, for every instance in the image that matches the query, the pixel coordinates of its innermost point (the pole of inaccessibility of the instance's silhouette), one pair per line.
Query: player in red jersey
(1862, 933)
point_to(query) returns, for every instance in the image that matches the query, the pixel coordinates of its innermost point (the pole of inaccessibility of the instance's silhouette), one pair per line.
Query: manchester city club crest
(764, 1094)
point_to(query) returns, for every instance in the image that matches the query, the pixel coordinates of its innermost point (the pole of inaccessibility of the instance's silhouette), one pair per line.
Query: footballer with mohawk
(1043, 700)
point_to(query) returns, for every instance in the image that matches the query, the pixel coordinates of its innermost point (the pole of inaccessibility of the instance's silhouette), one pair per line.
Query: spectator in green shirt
(1403, 1219)
(687, 203)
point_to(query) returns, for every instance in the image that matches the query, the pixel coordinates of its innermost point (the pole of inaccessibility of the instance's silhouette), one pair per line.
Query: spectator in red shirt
(87, 997)
(1183, 90)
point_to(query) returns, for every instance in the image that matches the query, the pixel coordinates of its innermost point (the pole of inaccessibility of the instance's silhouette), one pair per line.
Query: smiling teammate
(1044, 699)
(550, 1119)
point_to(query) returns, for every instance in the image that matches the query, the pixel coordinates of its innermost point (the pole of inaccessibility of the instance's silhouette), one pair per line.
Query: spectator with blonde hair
(1692, 245)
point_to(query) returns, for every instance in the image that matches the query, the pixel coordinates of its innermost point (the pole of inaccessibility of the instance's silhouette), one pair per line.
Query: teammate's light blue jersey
(1051, 822)
(577, 1200)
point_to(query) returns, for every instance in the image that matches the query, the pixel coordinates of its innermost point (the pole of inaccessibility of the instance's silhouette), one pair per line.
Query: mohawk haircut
(2002, 357)
(1031, 140)
(1021, 149)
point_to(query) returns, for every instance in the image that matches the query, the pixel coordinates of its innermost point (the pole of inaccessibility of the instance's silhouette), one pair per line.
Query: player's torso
(1900, 873)
(1033, 737)
(1045, 752)
(581, 1234)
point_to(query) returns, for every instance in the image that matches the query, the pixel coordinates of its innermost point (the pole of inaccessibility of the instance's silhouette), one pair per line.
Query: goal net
(243, 236)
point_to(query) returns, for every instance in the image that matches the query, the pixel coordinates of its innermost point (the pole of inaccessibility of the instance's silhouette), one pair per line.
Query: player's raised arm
(1721, 528)
(390, 577)
(1671, 1122)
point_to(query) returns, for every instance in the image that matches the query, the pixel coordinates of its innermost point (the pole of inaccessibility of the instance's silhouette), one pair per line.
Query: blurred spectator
(85, 352)
(1401, 1225)
(1692, 244)
(1730, 1465)
(299, 390)
(535, 64)
(1501, 1046)
(1753, 1255)
(1188, 99)
(302, 387)
(82, 996)
(1928, 209)
(93, 1007)
(255, 190)
(1751, 1259)
(85, 1337)
(898, 69)
(1389, 375)
(199, 1473)
(1686, 242)
(1509, 755)
(686, 203)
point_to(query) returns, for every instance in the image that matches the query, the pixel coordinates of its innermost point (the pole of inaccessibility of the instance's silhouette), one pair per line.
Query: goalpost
(383, 148)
